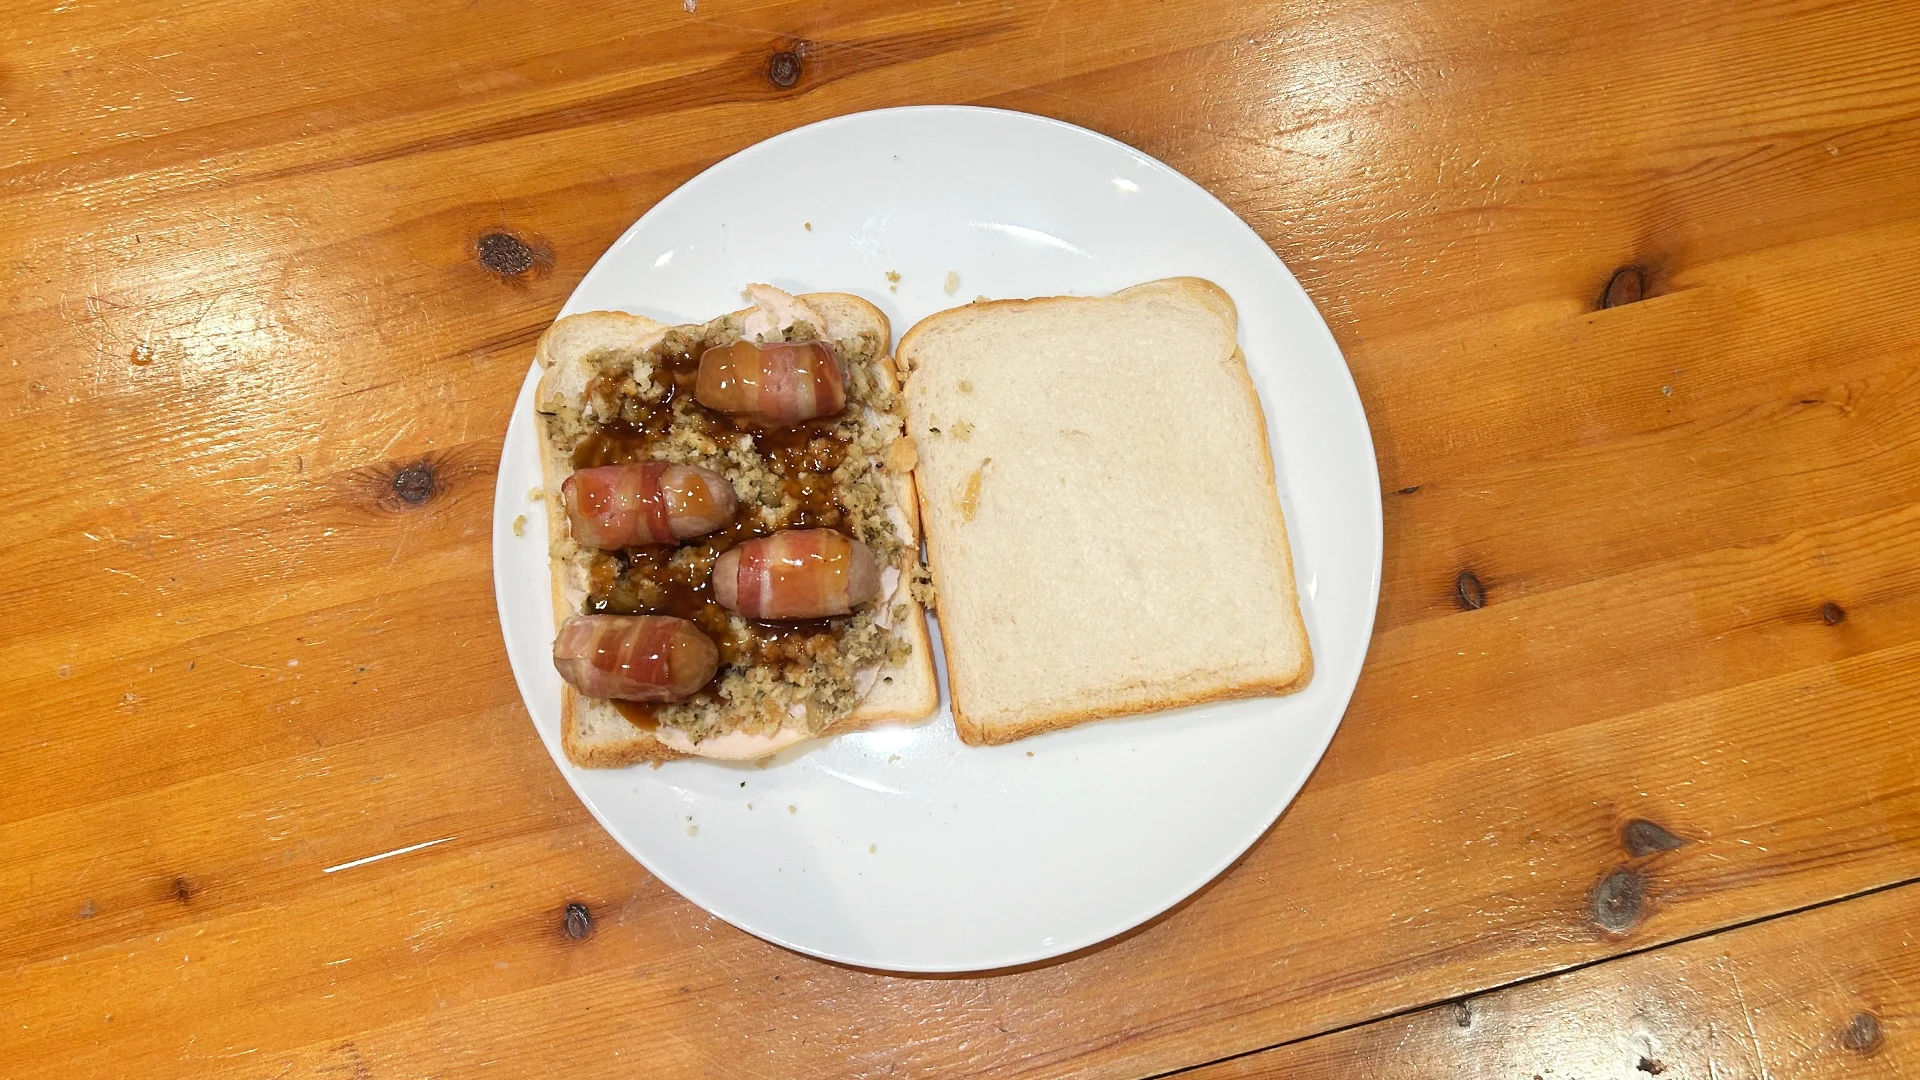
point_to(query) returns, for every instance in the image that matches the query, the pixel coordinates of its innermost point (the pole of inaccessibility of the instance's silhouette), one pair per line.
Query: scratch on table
(207, 310)
(1746, 1014)
(401, 544)
(88, 869)
(271, 604)
(424, 934)
(386, 855)
(404, 428)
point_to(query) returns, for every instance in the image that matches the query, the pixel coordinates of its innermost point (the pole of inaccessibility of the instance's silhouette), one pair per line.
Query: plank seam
(1541, 977)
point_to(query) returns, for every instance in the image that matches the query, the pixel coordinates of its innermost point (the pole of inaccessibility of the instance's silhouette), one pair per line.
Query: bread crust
(643, 746)
(974, 732)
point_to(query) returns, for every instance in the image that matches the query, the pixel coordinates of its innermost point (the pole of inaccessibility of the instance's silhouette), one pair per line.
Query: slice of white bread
(592, 731)
(1099, 506)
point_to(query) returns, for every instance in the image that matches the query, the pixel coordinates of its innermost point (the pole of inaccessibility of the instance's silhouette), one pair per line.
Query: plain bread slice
(1098, 501)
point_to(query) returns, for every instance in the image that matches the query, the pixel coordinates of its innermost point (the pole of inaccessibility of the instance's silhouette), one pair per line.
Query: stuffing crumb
(902, 455)
(689, 6)
(871, 848)
(535, 494)
(893, 276)
(970, 498)
(693, 830)
(981, 299)
(792, 809)
(520, 525)
(1029, 753)
(953, 282)
(809, 225)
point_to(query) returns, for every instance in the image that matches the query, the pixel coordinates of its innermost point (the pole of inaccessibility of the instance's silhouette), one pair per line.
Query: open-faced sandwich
(733, 530)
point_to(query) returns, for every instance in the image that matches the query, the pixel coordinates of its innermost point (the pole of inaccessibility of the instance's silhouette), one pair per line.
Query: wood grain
(257, 373)
(1822, 993)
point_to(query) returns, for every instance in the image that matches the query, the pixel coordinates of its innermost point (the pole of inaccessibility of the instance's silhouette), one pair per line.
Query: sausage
(773, 383)
(798, 574)
(653, 502)
(635, 657)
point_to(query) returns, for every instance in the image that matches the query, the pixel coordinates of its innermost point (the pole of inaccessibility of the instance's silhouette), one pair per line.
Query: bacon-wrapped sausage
(653, 502)
(634, 657)
(798, 574)
(774, 383)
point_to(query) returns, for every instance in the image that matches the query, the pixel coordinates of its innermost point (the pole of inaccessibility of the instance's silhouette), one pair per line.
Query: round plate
(901, 848)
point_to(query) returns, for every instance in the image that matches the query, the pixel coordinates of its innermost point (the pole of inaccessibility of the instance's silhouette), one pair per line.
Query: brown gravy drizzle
(649, 581)
(638, 713)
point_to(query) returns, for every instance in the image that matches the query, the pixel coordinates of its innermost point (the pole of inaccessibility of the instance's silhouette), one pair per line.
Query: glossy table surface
(1630, 786)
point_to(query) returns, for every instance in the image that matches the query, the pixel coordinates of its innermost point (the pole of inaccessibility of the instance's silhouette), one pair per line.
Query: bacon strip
(653, 502)
(634, 657)
(797, 574)
(773, 383)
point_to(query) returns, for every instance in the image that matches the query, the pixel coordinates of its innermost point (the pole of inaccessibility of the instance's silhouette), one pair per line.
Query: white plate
(901, 848)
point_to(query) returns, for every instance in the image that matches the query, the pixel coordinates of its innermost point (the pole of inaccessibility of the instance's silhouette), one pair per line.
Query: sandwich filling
(778, 681)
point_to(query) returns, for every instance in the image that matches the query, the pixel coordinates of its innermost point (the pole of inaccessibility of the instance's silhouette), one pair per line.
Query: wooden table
(1631, 291)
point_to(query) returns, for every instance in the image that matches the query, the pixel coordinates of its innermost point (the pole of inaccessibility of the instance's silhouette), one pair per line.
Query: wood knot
(578, 922)
(1862, 1034)
(1617, 901)
(1462, 1013)
(504, 253)
(1628, 285)
(1642, 838)
(414, 484)
(1832, 614)
(183, 889)
(1410, 489)
(783, 68)
(1468, 592)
